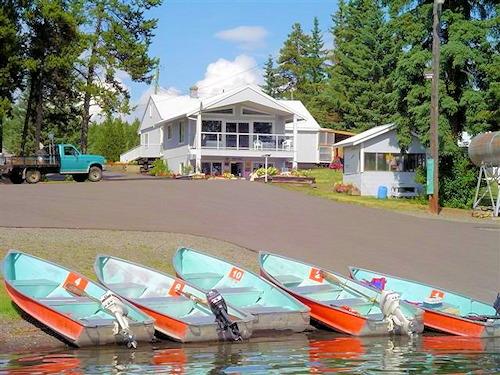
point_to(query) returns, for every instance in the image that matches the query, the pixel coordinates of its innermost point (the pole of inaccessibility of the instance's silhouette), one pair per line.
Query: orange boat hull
(453, 324)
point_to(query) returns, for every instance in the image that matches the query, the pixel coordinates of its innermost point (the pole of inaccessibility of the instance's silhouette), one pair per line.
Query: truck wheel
(33, 176)
(95, 174)
(16, 177)
(79, 177)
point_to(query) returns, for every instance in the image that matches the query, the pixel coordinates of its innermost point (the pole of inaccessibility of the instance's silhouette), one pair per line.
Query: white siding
(152, 138)
(370, 181)
(150, 117)
(388, 142)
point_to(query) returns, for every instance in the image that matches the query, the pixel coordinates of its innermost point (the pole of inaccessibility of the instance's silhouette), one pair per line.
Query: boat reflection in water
(313, 353)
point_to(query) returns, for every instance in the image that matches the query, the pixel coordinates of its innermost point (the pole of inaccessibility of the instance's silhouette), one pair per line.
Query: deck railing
(246, 141)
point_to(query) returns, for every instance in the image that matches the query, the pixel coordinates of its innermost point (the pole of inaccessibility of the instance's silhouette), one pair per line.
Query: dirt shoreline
(74, 249)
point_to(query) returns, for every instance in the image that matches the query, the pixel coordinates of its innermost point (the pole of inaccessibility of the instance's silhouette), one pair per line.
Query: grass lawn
(326, 178)
(76, 249)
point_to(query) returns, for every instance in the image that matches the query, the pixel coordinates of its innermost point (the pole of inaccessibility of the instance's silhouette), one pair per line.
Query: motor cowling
(111, 303)
(390, 307)
(218, 307)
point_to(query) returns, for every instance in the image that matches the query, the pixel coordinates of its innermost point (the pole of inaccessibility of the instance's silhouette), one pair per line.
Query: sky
(221, 44)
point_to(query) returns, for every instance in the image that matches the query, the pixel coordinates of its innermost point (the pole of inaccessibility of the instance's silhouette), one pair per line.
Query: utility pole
(434, 137)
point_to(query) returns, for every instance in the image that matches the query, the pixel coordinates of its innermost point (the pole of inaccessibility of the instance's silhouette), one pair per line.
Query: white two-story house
(232, 132)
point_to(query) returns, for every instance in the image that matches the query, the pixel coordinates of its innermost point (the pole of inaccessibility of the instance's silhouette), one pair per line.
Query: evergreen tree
(11, 57)
(291, 62)
(113, 137)
(271, 84)
(52, 50)
(469, 94)
(359, 88)
(117, 37)
(315, 59)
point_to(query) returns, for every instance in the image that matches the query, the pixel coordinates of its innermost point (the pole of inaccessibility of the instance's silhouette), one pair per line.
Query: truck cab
(72, 161)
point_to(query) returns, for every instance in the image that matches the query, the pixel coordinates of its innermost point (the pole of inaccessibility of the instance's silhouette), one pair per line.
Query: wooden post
(295, 136)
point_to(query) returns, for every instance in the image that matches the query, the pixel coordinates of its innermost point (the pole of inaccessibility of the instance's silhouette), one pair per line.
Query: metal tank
(485, 148)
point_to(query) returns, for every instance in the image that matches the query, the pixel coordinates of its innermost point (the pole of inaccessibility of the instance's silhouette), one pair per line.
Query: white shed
(373, 159)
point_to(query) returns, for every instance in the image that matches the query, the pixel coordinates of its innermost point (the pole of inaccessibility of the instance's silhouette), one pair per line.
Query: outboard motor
(389, 304)
(496, 305)
(219, 309)
(115, 306)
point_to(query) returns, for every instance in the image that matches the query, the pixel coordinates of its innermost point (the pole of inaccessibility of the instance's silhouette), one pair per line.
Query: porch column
(295, 137)
(198, 141)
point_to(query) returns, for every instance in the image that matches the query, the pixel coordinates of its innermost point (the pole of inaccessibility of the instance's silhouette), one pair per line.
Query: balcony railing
(246, 141)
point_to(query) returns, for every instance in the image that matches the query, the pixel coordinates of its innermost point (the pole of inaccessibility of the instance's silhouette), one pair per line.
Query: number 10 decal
(236, 274)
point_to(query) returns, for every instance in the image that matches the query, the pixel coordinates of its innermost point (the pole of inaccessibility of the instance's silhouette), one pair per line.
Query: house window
(389, 162)
(169, 132)
(263, 127)
(211, 126)
(253, 112)
(221, 111)
(145, 139)
(181, 133)
(211, 140)
(150, 111)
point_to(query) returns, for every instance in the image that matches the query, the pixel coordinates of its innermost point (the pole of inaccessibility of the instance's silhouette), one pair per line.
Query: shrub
(160, 168)
(271, 171)
(228, 175)
(346, 189)
(336, 164)
(301, 172)
(187, 169)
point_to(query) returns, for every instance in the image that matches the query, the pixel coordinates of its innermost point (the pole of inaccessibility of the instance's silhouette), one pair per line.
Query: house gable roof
(308, 122)
(172, 108)
(366, 135)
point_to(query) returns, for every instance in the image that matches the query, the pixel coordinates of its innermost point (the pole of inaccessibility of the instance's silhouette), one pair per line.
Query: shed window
(389, 162)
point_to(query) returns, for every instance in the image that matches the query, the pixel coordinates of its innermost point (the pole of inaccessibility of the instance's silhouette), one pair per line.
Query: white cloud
(225, 75)
(247, 37)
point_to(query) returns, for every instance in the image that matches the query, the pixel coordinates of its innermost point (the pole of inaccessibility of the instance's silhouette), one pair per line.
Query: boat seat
(351, 302)
(55, 301)
(98, 321)
(131, 290)
(199, 319)
(376, 316)
(288, 279)
(175, 306)
(35, 287)
(238, 290)
(258, 309)
(313, 289)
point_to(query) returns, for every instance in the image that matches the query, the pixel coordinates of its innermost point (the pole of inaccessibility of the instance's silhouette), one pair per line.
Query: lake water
(312, 353)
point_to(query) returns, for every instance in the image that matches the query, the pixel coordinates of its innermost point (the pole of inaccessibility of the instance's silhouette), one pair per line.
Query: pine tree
(11, 58)
(469, 94)
(291, 62)
(271, 84)
(315, 59)
(360, 89)
(119, 39)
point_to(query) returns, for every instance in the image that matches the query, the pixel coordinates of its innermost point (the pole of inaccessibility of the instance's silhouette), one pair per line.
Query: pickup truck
(64, 159)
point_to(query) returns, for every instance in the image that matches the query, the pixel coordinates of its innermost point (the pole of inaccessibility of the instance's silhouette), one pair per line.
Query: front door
(237, 169)
(70, 160)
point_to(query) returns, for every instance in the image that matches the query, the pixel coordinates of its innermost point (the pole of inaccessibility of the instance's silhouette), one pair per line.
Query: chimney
(193, 91)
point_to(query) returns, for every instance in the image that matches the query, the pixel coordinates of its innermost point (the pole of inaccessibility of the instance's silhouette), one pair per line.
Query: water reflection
(314, 353)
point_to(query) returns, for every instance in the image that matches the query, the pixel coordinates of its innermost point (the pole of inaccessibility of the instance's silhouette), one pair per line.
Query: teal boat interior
(240, 287)
(333, 290)
(155, 290)
(423, 295)
(44, 282)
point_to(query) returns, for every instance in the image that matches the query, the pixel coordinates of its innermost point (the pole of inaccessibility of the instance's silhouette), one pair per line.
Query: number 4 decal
(176, 288)
(316, 275)
(236, 274)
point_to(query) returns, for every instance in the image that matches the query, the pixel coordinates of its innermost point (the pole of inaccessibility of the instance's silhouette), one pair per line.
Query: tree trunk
(27, 116)
(38, 113)
(86, 99)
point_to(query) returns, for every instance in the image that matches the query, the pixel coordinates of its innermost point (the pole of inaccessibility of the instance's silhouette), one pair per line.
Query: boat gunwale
(287, 294)
(281, 285)
(427, 309)
(146, 321)
(247, 317)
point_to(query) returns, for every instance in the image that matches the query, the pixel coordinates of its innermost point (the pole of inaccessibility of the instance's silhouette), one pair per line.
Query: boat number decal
(176, 288)
(236, 274)
(316, 275)
(437, 294)
(75, 280)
